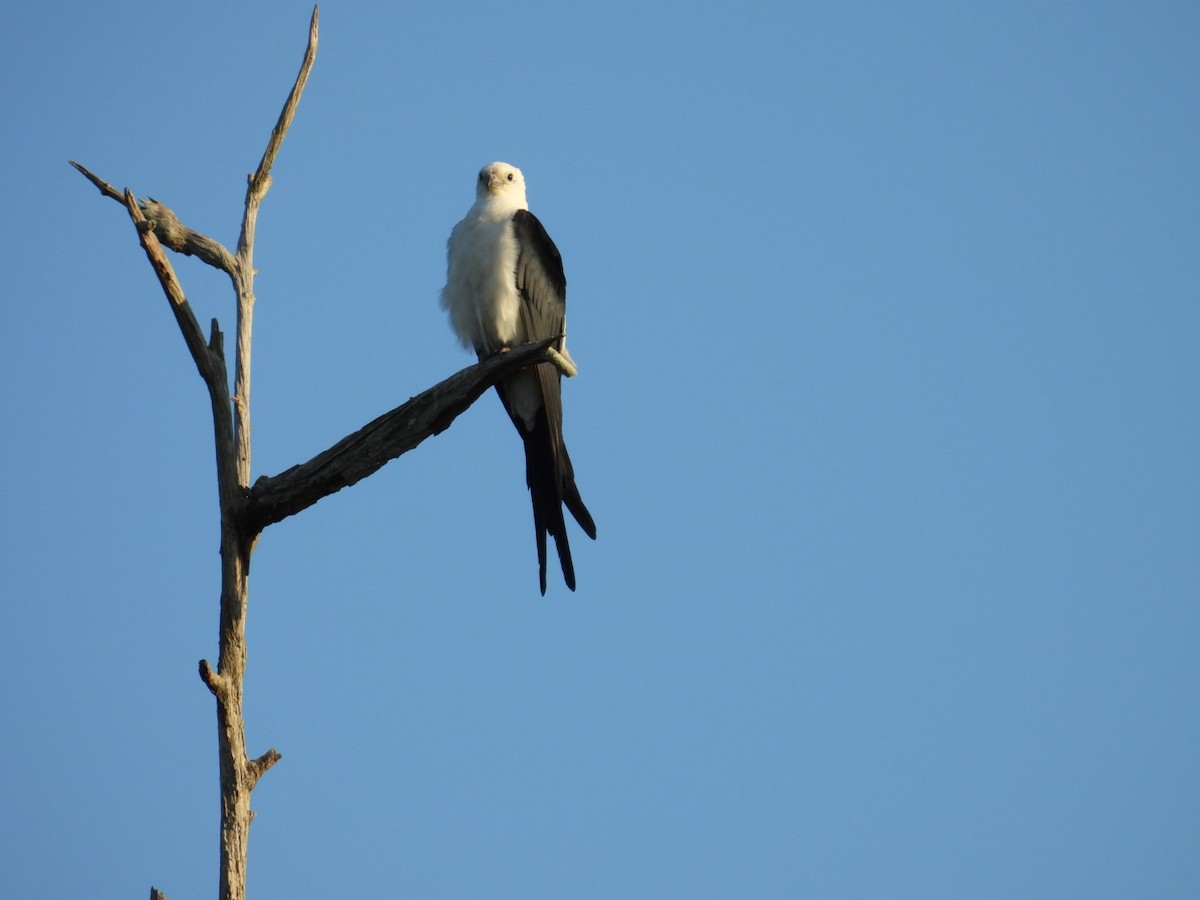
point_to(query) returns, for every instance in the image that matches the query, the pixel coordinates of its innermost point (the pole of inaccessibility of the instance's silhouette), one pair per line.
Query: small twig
(256, 768)
(214, 682)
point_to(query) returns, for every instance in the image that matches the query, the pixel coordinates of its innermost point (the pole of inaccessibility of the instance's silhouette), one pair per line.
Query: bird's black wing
(543, 287)
(548, 471)
(540, 278)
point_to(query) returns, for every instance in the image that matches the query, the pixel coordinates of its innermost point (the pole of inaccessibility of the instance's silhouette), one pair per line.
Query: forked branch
(208, 356)
(167, 227)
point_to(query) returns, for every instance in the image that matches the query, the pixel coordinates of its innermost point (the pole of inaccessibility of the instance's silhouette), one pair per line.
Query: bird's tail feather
(543, 476)
(570, 496)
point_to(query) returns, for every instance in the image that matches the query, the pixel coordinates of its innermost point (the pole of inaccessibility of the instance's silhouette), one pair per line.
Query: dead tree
(246, 510)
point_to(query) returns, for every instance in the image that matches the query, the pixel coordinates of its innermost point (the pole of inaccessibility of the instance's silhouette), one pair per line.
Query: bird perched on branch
(504, 287)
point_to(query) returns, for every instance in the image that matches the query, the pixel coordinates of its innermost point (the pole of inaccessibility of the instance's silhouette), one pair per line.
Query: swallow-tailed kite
(504, 287)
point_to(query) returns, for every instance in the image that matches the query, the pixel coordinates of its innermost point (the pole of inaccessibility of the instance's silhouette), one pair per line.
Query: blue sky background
(887, 320)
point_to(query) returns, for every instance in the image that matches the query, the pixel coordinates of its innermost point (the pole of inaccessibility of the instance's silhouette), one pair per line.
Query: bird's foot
(563, 360)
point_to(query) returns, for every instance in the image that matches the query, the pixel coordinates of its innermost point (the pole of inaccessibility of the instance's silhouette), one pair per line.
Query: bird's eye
(483, 176)
(510, 176)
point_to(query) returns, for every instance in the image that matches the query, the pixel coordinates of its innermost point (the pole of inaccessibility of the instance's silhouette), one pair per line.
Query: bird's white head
(501, 182)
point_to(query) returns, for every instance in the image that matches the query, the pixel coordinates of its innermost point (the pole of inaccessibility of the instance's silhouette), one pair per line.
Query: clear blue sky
(888, 324)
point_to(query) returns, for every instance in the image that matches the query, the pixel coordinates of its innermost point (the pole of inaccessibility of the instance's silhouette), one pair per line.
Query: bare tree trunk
(245, 512)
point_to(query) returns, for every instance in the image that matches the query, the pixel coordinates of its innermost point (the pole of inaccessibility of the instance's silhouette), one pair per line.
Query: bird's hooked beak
(494, 181)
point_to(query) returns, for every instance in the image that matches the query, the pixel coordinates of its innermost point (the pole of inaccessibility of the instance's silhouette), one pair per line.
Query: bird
(505, 287)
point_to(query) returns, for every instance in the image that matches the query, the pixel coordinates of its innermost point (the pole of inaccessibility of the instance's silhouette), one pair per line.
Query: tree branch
(260, 181)
(168, 228)
(218, 684)
(209, 359)
(258, 767)
(184, 317)
(256, 189)
(392, 434)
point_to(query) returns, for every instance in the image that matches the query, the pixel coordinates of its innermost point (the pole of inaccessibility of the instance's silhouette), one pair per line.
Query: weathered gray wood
(168, 228)
(368, 449)
(257, 185)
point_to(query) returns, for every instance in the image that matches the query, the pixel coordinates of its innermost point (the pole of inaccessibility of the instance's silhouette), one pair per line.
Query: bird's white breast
(481, 293)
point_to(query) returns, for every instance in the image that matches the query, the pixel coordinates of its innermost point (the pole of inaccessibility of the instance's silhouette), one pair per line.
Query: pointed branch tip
(214, 681)
(216, 340)
(260, 181)
(258, 767)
